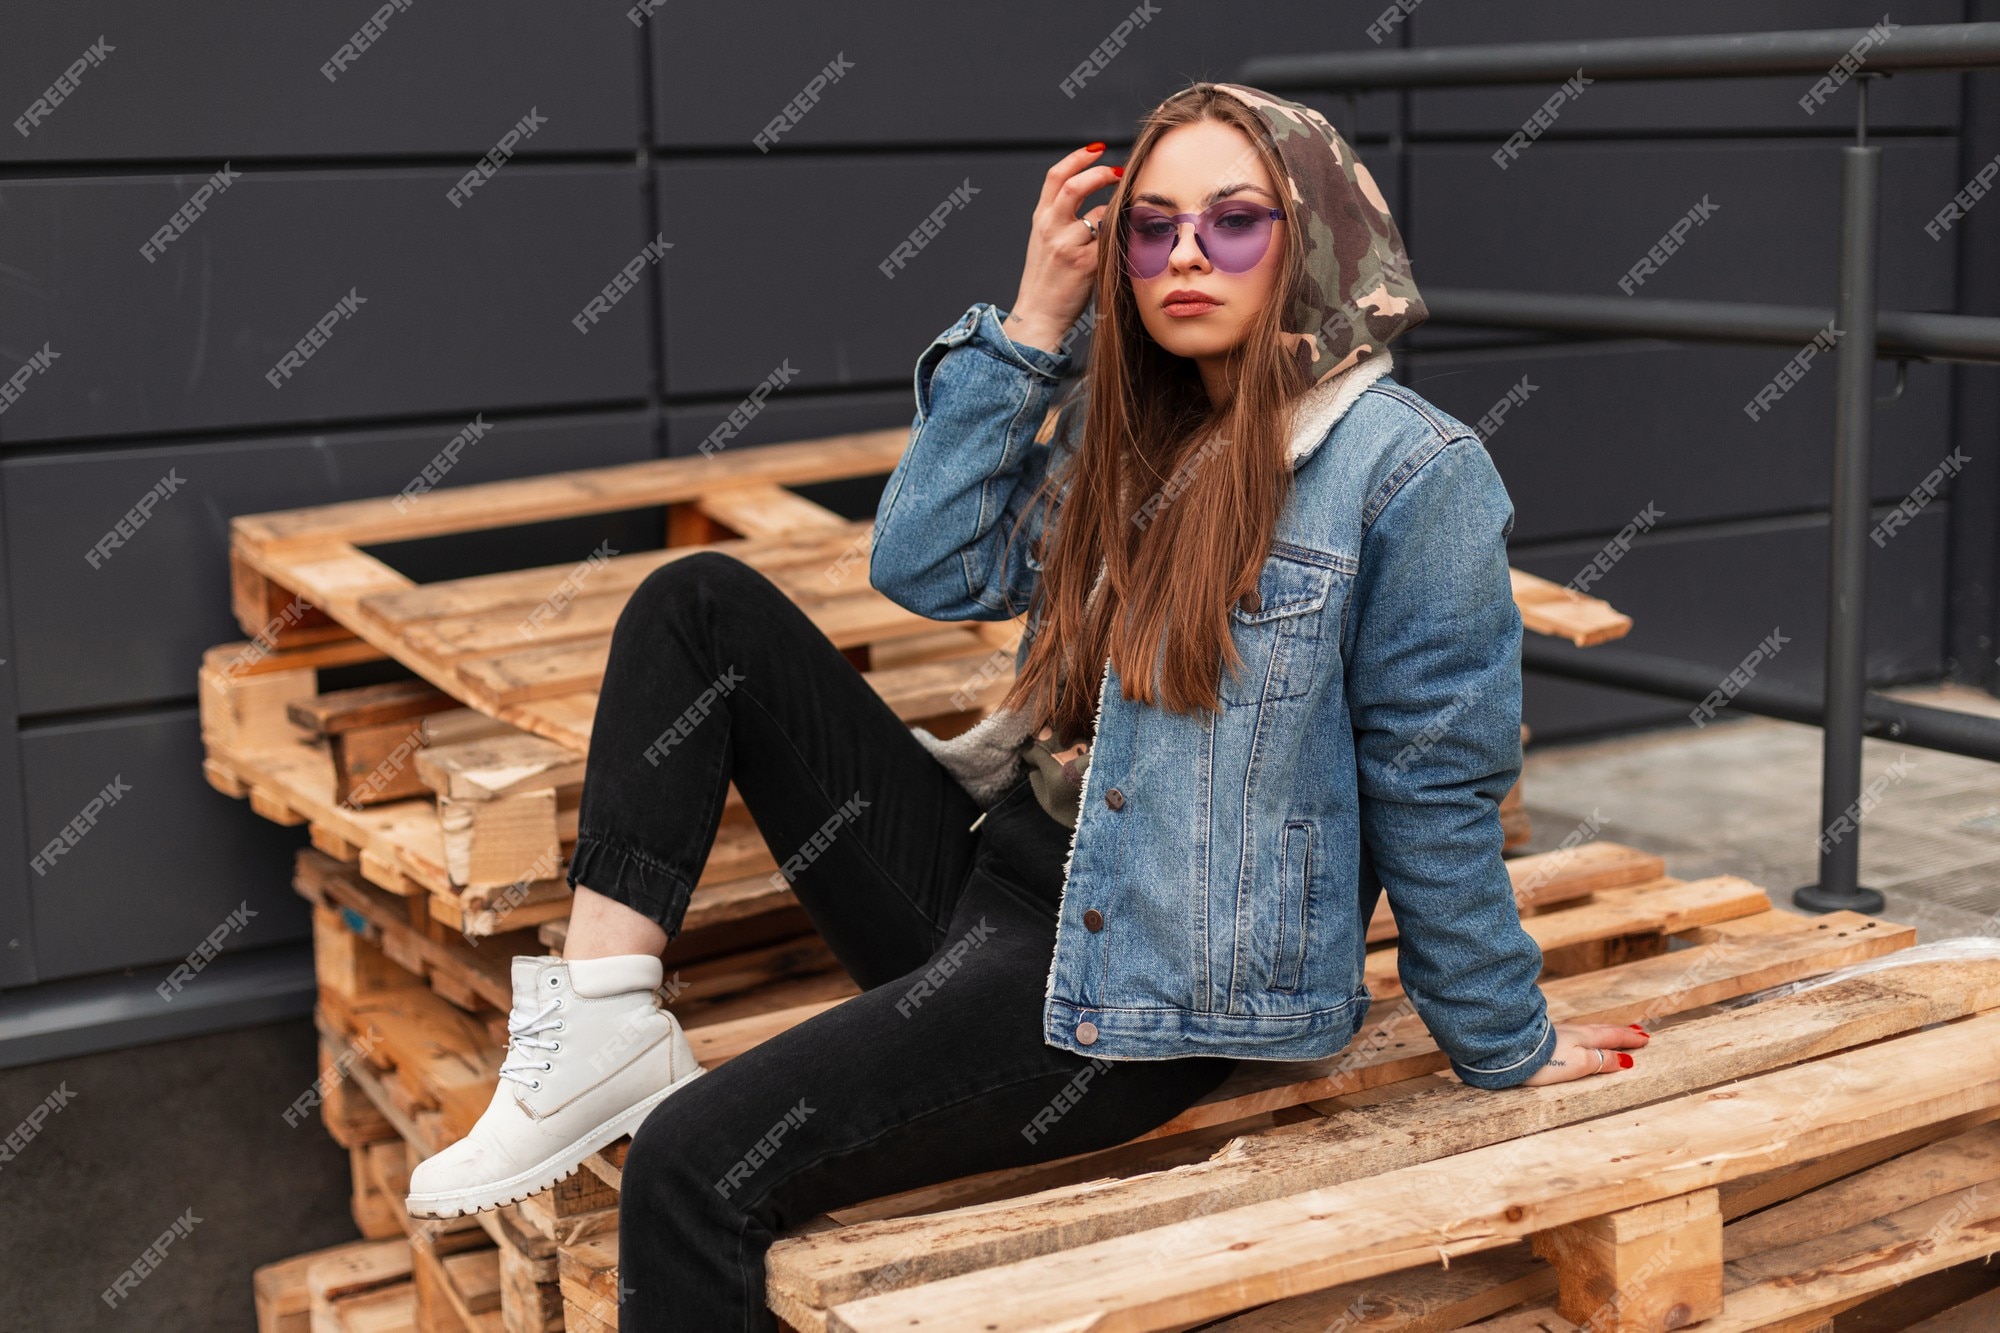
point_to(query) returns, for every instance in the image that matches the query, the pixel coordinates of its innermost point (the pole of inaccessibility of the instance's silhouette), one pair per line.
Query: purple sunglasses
(1233, 234)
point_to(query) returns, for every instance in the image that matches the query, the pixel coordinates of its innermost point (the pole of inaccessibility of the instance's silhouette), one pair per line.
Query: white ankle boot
(590, 1054)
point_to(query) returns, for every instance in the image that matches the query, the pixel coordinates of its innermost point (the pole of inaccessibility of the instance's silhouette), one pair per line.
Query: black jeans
(938, 1069)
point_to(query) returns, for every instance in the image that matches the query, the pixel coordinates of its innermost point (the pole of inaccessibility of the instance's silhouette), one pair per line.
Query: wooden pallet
(1765, 1167)
(1357, 1127)
(507, 667)
(401, 847)
(397, 1081)
(443, 809)
(1762, 1167)
(255, 751)
(528, 647)
(1799, 1192)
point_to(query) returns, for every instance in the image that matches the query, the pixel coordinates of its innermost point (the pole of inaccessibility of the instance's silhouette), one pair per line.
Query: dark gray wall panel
(1575, 217)
(239, 78)
(467, 309)
(785, 419)
(161, 867)
(834, 314)
(1710, 594)
(132, 629)
(17, 943)
(974, 74)
(1661, 105)
(1607, 427)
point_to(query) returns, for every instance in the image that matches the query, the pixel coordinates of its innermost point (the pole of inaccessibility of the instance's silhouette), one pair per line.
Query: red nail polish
(1624, 1060)
(1118, 171)
(1094, 147)
(1635, 1027)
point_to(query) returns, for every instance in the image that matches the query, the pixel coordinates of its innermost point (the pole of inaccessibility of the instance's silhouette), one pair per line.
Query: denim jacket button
(1115, 799)
(1093, 920)
(1086, 1032)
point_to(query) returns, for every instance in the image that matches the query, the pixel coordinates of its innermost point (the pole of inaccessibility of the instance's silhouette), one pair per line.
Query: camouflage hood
(1360, 293)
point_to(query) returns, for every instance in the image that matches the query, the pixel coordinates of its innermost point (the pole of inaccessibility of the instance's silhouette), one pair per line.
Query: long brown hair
(1176, 499)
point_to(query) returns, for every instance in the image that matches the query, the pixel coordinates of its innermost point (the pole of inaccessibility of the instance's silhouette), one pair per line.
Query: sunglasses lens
(1150, 236)
(1234, 237)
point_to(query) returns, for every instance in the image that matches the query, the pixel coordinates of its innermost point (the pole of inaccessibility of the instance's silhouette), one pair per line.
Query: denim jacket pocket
(1278, 635)
(1295, 871)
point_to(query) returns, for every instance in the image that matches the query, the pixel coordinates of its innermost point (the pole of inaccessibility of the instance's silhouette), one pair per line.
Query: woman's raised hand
(1577, 1047)
(1062, 254)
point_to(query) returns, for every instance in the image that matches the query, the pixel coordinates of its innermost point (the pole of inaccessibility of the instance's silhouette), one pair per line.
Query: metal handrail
(1908, 335)
(1932, 47)
(1848, 709)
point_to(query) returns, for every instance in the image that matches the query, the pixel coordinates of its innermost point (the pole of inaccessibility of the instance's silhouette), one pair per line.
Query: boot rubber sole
(549, 1171)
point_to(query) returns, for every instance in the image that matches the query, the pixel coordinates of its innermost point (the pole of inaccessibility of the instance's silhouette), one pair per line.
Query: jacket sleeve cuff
(1513, 1070)
(981, 327)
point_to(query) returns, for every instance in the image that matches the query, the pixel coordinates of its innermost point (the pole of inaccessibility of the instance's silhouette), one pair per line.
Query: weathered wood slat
(769, 511)
(1476, 1286)
(826, 1269)
(574, 494)
(1475, 1200)
(1393, 1044)
(1553, 609)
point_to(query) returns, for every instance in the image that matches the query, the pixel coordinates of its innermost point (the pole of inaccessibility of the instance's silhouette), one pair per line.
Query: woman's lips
(1184, 309)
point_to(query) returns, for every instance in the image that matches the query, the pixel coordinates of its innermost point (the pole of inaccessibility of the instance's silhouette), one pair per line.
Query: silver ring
(1600, 1061)
(1091, 223)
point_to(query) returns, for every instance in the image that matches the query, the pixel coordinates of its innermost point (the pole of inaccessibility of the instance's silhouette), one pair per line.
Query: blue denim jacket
(1233, 862)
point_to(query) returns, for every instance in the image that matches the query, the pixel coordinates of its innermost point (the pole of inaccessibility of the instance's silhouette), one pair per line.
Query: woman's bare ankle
(601, 927)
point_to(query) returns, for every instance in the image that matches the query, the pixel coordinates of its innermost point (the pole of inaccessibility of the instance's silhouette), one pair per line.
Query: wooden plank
(589, 1274)
(491, 767)
(574, 494)
(1395, 1046)
(274, 807)
(466, 637)
(254, 708)
(376, 765)
(255, 656)
(1474, 1200)
(481, 968)
(348, 1270)
(495, 844)
(464, 724)
(1658, 908)
(274, 615)
(803, 566)
(1826, 1250)
(1636, 1270)
(1476, 1286)
(279, 1288)
(769, 511)
(1561, 612)
(337, 711)
(376, 1200)
(1451, 1118)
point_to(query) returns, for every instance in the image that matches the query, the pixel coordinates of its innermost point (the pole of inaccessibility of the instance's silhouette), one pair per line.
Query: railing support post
(1839, 884)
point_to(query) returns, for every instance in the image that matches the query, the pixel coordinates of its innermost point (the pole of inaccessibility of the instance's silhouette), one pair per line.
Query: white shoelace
(524, 1034)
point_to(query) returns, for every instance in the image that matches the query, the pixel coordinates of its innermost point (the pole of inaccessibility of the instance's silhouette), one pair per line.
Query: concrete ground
(154, 1132)
(1741, 797)
(146, 1137)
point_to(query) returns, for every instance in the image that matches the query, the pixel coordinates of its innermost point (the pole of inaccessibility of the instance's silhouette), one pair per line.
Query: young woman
(1077, 918)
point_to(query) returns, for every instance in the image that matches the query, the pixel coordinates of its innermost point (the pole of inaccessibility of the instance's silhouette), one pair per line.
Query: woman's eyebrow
(1219, 192)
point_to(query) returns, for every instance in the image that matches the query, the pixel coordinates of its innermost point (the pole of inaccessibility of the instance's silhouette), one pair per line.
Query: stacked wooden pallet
(441, 809)
(1761, 1168)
